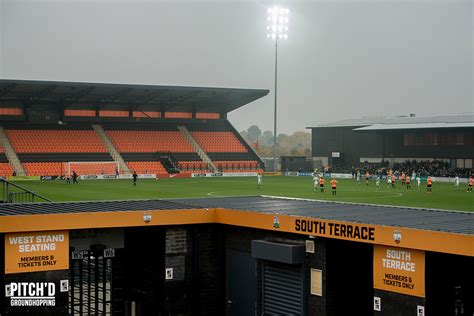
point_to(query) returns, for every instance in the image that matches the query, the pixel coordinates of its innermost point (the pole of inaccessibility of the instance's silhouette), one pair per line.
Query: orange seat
(55, 141)
(149, 141)
(218, 142)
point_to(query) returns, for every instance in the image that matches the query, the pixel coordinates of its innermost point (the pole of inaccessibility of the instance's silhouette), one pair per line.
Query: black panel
(395, 304)
(23, 125)
(64, 157)
(155, 156)
(3, 157)
(61, 298)
(282, 289)
(208, 126)
(157, 126)
(381, 144)
(279, 252)
(231, 156)
(449, 284)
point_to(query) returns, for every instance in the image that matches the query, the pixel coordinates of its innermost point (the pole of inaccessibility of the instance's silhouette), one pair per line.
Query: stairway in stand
(111, 148)
(198, 148)
(11, 154)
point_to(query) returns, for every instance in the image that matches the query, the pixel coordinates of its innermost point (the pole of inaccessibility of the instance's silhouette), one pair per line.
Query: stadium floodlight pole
(277, 29)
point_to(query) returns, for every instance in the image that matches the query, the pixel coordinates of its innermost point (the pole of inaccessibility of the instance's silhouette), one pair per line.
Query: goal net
(84, 168)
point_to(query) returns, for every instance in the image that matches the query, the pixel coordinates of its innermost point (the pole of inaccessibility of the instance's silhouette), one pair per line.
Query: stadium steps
(11, 154)
(196, 146)
(111, 148)
(244, 142)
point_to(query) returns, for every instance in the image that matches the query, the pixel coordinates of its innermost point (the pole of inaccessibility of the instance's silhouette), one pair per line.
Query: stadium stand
(156, 129)
(149, 141)
(5, 168)
(145, 142)
(142, 146)
(44, 149)
(225, 147)
(213, 142)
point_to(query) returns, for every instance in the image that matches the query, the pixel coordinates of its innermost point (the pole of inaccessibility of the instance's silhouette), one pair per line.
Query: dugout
(236, 256)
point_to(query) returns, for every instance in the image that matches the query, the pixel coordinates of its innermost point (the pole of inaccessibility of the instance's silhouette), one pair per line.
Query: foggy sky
(343, 58)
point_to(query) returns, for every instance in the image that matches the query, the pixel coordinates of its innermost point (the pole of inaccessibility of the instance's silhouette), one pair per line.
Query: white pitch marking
(388, 196)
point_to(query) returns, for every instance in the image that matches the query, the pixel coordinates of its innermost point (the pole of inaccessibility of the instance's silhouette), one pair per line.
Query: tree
(245, 136)
(296, 144)
(253, 133)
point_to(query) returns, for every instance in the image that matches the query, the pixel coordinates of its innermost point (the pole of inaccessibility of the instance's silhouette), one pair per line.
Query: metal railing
(20, 195)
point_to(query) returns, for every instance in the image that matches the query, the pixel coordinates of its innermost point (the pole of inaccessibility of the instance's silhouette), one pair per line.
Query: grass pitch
(444, 195)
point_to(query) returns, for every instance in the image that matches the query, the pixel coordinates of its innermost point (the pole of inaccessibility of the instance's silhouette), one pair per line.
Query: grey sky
(343, 58)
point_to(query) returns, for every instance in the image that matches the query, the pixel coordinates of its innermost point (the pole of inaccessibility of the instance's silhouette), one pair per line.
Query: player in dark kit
(74, 177)
(135, 177)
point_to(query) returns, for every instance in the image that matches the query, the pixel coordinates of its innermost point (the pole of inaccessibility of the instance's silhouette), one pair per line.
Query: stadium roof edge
(422, 229)
(117, 96)
(461, 120)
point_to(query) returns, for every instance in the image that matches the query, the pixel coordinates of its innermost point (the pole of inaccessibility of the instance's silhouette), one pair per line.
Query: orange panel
(178, 115)
(79, 112)
(113, 113)
(211, 116)
(11, 111)
(146, 114)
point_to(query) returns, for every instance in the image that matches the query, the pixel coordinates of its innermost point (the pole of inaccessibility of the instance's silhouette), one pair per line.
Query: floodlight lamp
(278, 22)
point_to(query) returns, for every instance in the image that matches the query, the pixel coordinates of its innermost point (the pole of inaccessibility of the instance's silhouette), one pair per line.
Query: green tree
(253, 133)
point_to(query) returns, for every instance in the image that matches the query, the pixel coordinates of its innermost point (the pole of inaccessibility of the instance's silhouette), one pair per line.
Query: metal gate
(282, 289)
(90, 290)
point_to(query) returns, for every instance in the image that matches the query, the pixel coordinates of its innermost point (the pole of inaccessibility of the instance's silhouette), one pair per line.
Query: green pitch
(444, 195)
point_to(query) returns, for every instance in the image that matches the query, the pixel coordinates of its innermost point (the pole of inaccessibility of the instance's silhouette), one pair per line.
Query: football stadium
(145, 199)
(195, 233)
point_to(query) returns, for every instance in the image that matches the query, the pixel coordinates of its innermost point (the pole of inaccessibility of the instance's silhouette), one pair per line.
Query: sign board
(36, 251)
(316, 282)
(335, 154)
(420, 310)
(377, 304)
(169, 274)
(399, 270)
(224, 174)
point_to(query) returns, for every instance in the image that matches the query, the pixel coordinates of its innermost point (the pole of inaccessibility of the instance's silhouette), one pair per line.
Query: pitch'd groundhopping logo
(31, 293)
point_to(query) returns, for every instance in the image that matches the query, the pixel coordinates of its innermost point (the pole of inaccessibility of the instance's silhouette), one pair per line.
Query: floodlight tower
(277, 29)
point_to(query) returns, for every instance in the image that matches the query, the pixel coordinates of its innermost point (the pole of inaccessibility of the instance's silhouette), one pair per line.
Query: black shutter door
(282, 289)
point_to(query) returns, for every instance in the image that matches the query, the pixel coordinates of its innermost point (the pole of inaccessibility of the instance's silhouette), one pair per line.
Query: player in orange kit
(333, 186)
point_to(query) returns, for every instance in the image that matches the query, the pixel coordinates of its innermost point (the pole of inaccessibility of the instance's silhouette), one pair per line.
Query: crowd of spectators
(435, 168)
